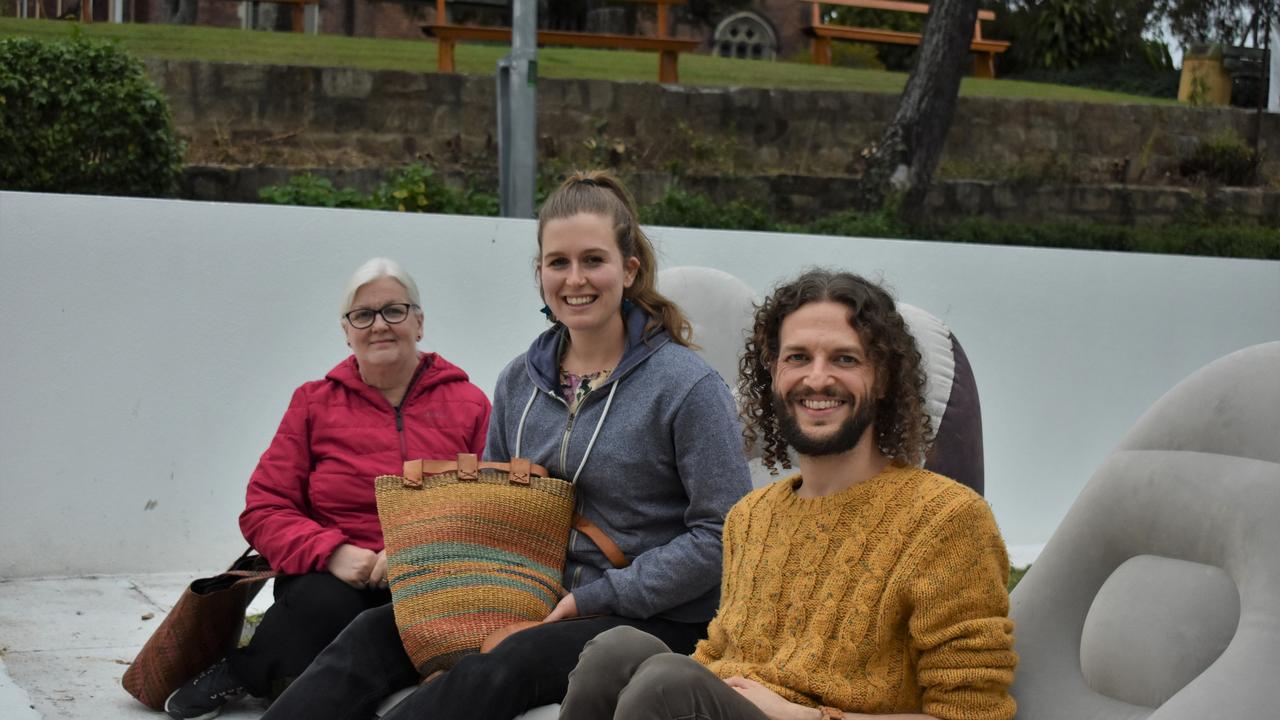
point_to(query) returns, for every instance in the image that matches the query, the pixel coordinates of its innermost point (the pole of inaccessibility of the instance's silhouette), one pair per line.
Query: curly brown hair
(902, 426)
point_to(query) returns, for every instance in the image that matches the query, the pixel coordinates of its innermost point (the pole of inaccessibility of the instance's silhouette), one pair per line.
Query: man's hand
(773, 705)
(565, 609)
(378, 576)
(353, 565)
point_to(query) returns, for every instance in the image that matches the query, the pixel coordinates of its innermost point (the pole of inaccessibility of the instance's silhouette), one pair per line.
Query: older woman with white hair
(310, 507)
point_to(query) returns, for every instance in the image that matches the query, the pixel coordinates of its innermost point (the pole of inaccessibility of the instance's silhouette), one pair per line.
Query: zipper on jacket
(404, 446)
(564, 443)
(564, 468)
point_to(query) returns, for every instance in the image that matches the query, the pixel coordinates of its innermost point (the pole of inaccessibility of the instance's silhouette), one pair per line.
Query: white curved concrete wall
(149, 347)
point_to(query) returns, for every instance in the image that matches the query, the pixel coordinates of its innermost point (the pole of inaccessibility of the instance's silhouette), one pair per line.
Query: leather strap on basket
(468, 467)
(602, 541)
(519, 471)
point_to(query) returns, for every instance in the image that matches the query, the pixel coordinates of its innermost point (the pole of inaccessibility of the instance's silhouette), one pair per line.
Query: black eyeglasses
(393, 314)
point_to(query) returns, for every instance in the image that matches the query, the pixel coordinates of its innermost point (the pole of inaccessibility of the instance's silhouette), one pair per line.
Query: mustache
(799, 394)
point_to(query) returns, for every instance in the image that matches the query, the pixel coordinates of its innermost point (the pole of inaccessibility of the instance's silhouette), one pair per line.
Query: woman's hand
(773, 705)
(565, 609)
(378, 577)
(353, 565)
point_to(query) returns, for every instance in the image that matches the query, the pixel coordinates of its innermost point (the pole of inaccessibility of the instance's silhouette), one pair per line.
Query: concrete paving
(66, 642)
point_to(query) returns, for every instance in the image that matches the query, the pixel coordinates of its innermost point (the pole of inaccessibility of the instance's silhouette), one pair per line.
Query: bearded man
(861, 586)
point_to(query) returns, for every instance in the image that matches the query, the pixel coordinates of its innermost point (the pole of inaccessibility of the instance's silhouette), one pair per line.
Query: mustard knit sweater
(886, 597)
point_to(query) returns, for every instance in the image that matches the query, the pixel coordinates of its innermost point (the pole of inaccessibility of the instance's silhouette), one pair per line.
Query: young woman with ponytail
(613, 398)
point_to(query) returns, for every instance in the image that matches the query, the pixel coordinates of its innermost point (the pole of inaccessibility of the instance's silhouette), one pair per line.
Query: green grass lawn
(232, 45)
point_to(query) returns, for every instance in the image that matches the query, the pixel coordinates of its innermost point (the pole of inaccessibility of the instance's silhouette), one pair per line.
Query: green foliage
(81, 117)
(1224, 159)
(1200, 235)
(1068, 32)
(1222, 239)
(1213, 21)
(311, 191)
(850, 223)
(210, 44)
(1136, 77)
(1015, 575)
(417, 188)
(414, 188)
(682, 209)
(892, 57)
(856, 55)
(692, 151)
(1085, 43)
(1047, 169)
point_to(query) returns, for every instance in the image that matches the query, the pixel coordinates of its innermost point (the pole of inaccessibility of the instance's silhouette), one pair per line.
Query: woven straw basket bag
(471, 547)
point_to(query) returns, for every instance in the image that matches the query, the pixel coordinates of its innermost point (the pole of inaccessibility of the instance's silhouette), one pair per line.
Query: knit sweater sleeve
(959, 620)
(712, 647)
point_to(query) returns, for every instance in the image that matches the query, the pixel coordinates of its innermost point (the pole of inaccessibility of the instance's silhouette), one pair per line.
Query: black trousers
(309, 612)
(367, 662)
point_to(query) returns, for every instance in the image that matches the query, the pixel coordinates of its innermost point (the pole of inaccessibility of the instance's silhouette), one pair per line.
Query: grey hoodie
(665, 466)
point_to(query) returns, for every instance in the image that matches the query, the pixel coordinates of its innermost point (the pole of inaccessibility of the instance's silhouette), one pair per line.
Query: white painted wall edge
(151, 347)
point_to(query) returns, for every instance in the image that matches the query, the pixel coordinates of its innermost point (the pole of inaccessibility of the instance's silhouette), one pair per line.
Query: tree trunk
(903, 162)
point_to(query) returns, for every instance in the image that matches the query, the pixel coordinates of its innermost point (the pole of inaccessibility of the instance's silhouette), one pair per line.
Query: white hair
(373, 269)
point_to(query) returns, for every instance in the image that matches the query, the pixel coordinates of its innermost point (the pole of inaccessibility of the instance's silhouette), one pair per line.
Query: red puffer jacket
(313, 487)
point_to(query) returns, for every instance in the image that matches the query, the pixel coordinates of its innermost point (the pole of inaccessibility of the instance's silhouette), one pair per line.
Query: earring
(547, 311)
(627, 305)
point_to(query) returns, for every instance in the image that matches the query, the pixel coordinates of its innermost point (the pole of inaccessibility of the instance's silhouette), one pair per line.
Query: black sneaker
(203, 697)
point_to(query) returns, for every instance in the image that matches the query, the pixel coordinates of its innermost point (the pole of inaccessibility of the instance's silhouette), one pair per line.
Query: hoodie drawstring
(590, 443)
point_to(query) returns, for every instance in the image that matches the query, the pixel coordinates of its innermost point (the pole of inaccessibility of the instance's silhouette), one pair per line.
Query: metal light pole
(1273, 47)
(517, 113)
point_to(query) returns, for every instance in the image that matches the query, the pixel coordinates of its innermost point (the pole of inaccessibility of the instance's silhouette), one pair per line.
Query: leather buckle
(468, 466)
(520, 471)
(413, 474)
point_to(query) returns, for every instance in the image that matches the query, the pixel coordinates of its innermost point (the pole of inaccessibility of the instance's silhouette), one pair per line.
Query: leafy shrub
(894, 57)
(1225, 239)
(82, 117)
(417, 188)
(414, 188)
(851, 223)
(1223, 158)
(1089, 43)
(681, 209)
(1069, 32)
(1192, 236)
(311, 191)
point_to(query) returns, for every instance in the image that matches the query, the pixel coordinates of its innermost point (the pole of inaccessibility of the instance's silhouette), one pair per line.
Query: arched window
(746, 35)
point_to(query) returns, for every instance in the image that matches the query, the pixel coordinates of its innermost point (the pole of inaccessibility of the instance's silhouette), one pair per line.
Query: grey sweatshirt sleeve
(713, 471)
(495, 444)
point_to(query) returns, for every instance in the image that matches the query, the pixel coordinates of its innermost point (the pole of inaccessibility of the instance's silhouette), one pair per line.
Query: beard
(845, 438)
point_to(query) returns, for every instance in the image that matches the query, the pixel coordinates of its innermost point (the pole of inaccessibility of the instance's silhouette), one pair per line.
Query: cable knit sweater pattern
(888, 597)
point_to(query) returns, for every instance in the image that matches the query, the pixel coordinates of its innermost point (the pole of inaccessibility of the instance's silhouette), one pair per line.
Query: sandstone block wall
(796, 150)
(296, 116)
